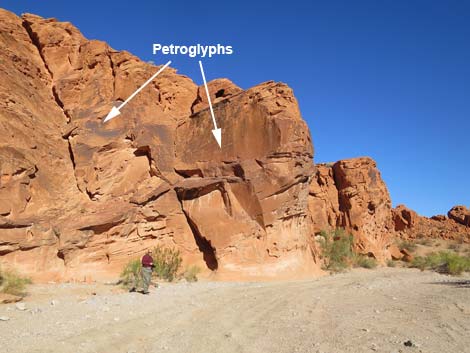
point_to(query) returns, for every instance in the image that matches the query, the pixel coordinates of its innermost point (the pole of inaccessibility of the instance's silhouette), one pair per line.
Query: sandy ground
(359, 311)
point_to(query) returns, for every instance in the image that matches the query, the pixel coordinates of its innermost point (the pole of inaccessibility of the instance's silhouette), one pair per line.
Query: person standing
(147, 268)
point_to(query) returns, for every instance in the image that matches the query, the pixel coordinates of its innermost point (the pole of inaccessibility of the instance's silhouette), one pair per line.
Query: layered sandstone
(80, 198)
(89, 196)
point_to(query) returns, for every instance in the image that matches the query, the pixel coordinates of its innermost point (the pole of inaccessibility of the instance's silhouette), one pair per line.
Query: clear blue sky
(386, 79)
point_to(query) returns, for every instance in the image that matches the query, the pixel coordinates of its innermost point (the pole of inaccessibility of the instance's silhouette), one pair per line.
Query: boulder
(403, 217)
(407, 256)
(395, 252)
(460, 214)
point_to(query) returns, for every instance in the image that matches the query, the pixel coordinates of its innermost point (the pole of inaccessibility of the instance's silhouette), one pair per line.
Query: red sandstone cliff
(79, 198)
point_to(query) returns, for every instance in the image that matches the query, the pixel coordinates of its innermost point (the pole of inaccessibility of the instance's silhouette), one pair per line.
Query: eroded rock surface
(351, 194)
(80, 198)
(89, 196)
(460, 214)
(410, 225)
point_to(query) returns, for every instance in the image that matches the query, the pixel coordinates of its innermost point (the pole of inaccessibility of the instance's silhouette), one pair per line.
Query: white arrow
(116, 111)
(216, 132)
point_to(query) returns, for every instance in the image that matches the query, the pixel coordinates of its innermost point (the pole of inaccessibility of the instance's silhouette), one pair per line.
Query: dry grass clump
(167, 262)
(13, 283)
(190, 274)
(365, 262)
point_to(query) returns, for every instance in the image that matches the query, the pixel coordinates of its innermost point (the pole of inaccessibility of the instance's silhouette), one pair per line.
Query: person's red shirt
(147, 261)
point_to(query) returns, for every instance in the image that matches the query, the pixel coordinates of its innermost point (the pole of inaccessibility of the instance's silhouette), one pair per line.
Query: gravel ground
(359, 311)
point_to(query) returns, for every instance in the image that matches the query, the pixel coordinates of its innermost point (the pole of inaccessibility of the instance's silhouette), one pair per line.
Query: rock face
(79, 198)
(352, 195)
(90, 196)
(409, 225)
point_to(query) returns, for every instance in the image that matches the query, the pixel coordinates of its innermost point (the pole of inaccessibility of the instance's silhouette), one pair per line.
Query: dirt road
(360, 311)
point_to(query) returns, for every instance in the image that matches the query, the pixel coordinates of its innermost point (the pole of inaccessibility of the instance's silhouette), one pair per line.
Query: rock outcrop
(460, 214)
(89, 196)
(79, 197)
(351, 194)
(409, 225)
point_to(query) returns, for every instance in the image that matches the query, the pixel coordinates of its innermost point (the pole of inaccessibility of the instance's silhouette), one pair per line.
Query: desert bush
(190, 274)
(418, 262)
(365, 261)
(391, 263)
(434, 260)
(425, 241)
(336, 249)
(167, 262)
(12, 283)
(407, 245)
(130, 275)
(444, 262)
(455, 264)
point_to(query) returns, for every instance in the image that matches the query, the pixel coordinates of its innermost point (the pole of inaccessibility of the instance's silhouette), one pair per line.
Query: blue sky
(385, 79)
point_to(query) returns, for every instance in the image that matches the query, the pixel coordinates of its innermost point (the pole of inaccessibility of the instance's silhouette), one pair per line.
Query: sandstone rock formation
(460, 214)
(89, 196)
(80, 198)
(352, 195)
(410, 225)
(404, 218)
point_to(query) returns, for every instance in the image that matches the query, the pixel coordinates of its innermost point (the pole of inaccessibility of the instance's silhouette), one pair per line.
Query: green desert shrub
(365, 261)
(336, 249)
(12, 283)
(391, 263)
(130, 275)
(434, 260)
(455, 264)
(418, 262)
(167, 262)
(444, 262)
(190, 274)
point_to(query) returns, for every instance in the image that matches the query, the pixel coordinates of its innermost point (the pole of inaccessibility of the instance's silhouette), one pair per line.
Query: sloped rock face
(79, 198)
(410, 225)
(351, 194)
